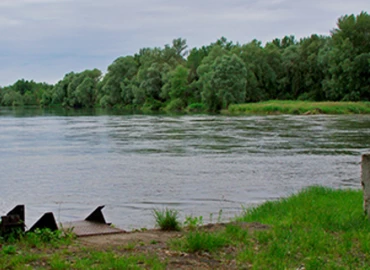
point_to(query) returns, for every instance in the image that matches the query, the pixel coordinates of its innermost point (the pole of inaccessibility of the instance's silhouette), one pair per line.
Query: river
(201, 165)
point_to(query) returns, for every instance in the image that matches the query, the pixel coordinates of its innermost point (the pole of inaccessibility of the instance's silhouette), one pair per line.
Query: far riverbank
(299, 108)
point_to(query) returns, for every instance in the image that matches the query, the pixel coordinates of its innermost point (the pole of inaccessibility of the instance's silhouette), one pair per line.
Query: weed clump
(167, 219)
(205, 241)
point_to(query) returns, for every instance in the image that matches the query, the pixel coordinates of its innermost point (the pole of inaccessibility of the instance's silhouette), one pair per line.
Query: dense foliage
(316, 68)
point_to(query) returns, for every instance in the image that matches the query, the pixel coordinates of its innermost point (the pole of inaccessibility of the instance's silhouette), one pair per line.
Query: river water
(200, 165)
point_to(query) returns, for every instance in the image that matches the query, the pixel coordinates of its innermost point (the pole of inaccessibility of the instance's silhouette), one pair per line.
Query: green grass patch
(52, 250)
(195, 241)
(318, 228)
(300, 107)
(167, 219)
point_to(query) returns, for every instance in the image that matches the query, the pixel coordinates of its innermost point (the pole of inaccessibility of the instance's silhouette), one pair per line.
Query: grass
(317, 228)
(300, 107)
(53, 250)
(196, 241)
(167, 219)
(192, 223)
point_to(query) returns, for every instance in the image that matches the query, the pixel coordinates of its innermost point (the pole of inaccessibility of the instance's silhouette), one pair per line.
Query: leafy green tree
(60, 90)
(227, 83)
(356, 30)
(179, 83)
(177, 89)
(347, 77)
(260, 63)
(30, 98)
(312, 68)
(85, 93)
(12, 98)
(111, 92)
(76, 90)
(194, 60)
(22, 86)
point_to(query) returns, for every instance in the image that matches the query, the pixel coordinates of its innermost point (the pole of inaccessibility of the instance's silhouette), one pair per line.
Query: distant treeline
(210, 78)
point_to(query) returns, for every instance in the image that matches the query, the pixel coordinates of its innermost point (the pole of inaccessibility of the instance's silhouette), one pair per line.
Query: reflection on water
(69, 164)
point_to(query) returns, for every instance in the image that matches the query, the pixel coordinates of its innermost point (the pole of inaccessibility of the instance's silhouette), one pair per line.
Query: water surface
(197, 164)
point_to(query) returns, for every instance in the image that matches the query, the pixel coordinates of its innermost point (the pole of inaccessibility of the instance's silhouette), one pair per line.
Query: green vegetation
(56, 250)
(300, 107)
(192, 223)
(318, 228)
(211, 78)
(201, 241)
(167, 219)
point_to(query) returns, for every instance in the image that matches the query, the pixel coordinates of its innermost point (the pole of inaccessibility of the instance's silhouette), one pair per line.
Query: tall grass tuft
(167, 219)
(205, 241)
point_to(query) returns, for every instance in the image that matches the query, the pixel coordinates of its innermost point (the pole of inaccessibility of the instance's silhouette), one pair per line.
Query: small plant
(167, 219)
(193, 222)
(41, 237)
(130, 246)
(205, 241)
(9, 250)
(47, 235)
(219, 218)
(211, 217)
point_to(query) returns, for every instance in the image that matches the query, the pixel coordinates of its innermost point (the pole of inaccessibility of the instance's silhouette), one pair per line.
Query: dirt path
(155, 242)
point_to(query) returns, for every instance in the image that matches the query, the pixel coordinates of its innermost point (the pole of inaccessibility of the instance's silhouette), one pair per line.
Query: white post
(366, 182)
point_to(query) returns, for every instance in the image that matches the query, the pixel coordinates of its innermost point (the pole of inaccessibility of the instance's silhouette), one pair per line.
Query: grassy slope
(318, 228)
(300, 107)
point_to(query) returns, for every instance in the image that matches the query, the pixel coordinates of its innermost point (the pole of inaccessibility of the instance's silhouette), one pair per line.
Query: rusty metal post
(365, 182)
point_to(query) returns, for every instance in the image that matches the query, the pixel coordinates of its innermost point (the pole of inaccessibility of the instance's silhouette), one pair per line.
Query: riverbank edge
(271, 107)
(317, 228)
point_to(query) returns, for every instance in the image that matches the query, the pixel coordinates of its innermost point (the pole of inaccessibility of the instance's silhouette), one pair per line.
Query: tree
(111, 92)
(12, 98)
(260, 63)
(76, 90)
(85, 93)
(227, 83)
(355, 29)
(347, 77)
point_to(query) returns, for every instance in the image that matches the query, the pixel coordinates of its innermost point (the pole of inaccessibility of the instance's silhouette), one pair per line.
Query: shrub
(175, 105)
(196, 107)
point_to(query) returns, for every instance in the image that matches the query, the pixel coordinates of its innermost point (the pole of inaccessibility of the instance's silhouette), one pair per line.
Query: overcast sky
(45, 39)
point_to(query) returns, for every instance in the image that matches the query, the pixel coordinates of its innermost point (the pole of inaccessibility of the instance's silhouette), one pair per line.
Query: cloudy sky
(45, 39)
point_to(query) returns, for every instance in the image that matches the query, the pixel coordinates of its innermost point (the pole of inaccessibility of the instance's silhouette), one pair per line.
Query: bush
(196, 107)
(175, 105)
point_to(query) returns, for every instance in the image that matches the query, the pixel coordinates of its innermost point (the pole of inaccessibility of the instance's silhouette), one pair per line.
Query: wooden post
(365, 182)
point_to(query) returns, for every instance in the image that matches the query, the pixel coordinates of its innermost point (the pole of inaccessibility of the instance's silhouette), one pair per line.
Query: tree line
(210, 78)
